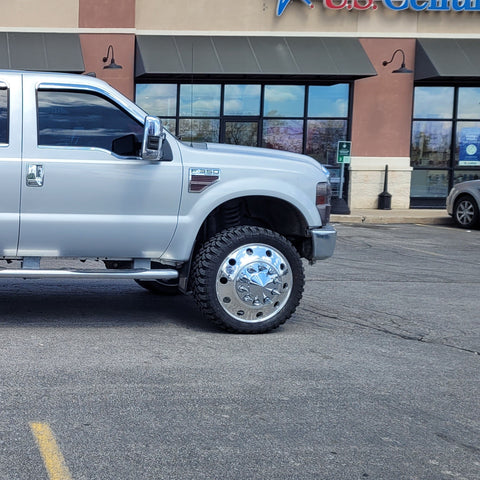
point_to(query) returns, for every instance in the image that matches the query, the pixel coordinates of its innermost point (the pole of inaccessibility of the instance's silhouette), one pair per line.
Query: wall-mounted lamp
(403, 68)
(112, 61)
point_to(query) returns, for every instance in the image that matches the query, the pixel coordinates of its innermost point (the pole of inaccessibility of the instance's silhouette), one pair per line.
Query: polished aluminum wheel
(254, 283)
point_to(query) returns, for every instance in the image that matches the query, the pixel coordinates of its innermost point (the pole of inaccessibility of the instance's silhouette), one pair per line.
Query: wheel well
(269, 212)
(464, 196)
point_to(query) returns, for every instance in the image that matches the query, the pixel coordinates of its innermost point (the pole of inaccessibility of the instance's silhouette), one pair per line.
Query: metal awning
(447, 59)
(51, 52)
(229, 56)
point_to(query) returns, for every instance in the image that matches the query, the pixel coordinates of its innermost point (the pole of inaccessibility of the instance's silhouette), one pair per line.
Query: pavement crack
(406, 336)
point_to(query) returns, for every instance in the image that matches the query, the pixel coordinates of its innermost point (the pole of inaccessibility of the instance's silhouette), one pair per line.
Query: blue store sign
(469, 142)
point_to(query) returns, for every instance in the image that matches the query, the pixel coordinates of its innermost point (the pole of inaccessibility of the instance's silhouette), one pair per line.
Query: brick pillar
(109, 14)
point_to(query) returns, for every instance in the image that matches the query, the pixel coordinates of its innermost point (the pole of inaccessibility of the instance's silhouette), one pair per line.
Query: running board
(133, 274)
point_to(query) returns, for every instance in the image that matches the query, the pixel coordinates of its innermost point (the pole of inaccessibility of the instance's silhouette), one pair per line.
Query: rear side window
(3, 115)
(81, 119)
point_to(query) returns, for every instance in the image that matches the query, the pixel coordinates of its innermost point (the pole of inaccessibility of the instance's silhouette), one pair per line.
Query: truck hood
(265, 154)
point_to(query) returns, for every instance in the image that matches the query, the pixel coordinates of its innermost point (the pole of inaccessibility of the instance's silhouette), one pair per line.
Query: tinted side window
(78, 119)
(3, 115)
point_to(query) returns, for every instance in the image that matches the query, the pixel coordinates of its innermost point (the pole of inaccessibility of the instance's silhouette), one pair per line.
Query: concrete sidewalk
(373, 216)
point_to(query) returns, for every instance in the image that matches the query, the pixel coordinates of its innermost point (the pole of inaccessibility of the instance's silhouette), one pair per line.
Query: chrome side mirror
(153, 137)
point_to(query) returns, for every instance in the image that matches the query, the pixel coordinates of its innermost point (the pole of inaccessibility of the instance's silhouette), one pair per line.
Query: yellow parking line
(52, 456)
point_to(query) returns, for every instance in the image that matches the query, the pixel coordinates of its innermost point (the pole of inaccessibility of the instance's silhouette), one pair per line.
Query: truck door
(10, 161)
(79, 198)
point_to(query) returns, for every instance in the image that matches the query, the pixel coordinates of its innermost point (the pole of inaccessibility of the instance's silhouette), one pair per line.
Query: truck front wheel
(248, 279)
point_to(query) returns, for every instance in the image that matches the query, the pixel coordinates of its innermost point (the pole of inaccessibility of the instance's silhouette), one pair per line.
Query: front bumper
(323, 242)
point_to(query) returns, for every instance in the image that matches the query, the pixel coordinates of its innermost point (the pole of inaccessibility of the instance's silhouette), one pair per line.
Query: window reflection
(284, 101)
(157, 99)
(469, 103)
(466, 175)
(199, 130)
(283, 135)
(328, 100)
(170, 124)
(197, 114)
(429, 183)
(433, 102)
(3, 115)
(82, 120)
(200, 100)
(242, 100)
(322, 139)
(241, 133)
(431, 143)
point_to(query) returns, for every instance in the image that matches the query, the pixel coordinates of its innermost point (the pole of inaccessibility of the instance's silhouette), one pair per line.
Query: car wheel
(248, 279)
(465, 212)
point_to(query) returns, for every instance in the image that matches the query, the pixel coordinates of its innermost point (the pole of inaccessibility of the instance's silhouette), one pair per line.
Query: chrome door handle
(35, 175)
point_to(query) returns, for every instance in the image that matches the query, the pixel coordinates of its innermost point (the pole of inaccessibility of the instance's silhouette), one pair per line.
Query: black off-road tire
(248, 279)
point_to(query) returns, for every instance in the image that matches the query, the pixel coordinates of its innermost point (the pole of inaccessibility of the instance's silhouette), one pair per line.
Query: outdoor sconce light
(403, 68)
(112, 61)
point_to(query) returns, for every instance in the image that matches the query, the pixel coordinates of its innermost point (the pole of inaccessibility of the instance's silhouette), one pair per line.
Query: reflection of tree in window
(241, 133)
(199, 130)
(283, 135)
(323, 137)
(431, 143)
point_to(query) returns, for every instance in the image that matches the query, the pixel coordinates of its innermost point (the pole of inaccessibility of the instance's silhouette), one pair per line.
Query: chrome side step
(133, 274)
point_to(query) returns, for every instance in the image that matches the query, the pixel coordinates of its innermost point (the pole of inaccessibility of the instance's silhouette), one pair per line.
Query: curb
(392, 218)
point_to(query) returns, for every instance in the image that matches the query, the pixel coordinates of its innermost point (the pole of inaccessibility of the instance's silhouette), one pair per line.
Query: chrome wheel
(248, 279)
(253, 283)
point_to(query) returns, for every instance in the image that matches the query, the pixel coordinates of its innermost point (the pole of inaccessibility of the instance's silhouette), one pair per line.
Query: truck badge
(201, 178)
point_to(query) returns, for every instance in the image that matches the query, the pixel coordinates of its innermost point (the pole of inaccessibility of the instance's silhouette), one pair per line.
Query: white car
(463, 203)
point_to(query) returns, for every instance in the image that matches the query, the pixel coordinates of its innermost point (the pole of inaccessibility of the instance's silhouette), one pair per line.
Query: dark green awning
(230, 56)
(51, 52)
(447, 59)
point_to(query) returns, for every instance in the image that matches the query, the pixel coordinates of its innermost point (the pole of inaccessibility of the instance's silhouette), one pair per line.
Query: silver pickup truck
(85, 174)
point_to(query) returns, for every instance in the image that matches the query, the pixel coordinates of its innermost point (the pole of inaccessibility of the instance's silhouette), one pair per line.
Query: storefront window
(283, 135)
(445, 141)
(158, 99)
(469, 103)
(467, 151)
(431, 144)
(323, 137)
(274, 116)
(200, 100)
(199, 130)
(429, 183)
(242, 100)
(466, 175)
(328, 100)
(433, 102)
(284, 101)
(241, 133)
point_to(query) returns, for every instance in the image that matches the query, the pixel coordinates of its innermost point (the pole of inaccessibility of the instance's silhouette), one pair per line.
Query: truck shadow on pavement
(94, 303)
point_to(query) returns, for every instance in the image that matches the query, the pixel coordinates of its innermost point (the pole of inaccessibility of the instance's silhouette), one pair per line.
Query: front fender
(196, 207)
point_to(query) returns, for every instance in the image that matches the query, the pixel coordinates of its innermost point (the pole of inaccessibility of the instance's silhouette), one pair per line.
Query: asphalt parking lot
(376, 376)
